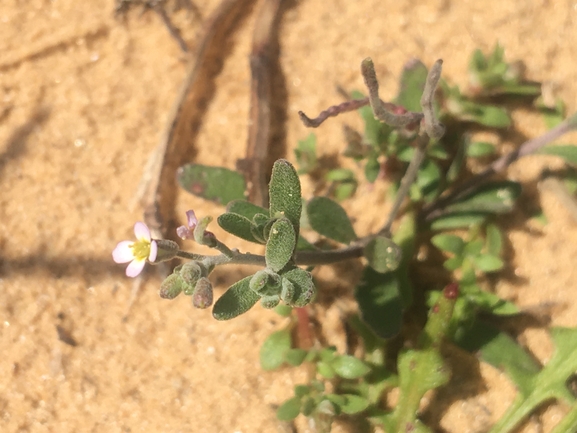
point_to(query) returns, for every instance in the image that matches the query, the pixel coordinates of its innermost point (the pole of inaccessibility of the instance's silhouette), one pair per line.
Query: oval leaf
(451, 243)
(329, 219)
(238, 299)
(383, 254)
(354, 404)
(237, 225)
(245, 208)
(280, 245)
(289, 410)
(349, 367)
(274, 349)
(218, 184)
(285, 193)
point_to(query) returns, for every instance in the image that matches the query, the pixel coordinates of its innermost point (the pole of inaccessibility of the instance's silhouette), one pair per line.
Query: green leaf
(340, 174)
(349, 367)
(325, 370)
(280, 245)
(379, 302)
(274, 349)
(458, 220)
(212, 183)
(238, 299)
(493, 197)
(354, 404)
(566, 151)
(412, 84)
(501, 351)
(295, 357)
(329, 219)
(382, 254)
(480, 149)
(451, 243)
(237, 225)
(488, 263)
(305, 154)
(492, 303)
(372, 168)
(494, 240)
(304, 286)
(245, 209)
(289, 410)
(283, 310)
(285, 193)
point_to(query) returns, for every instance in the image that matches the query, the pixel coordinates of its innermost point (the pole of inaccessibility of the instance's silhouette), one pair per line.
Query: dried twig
(333, 111)
(255, 164)
(185, 116)
(397, 120)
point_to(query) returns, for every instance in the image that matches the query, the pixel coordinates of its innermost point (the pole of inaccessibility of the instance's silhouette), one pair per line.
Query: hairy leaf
(237, 300)
(212, 183)
(328, 218)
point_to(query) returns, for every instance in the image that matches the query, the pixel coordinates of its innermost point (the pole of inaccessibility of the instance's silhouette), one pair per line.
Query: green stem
(520, 409)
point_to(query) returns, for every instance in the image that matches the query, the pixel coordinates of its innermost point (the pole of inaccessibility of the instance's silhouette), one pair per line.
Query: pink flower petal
(123, 252)
(153, 251)
(191, 216)
(142, 232)
(134, 268)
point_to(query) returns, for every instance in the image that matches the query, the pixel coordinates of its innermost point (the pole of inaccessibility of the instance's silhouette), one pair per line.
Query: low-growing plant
(421, 145)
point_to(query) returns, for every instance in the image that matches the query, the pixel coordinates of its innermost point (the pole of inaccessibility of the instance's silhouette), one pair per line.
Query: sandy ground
(84, 100)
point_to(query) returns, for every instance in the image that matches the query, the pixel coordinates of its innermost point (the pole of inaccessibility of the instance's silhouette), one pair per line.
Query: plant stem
(406, 182)
(435, 208)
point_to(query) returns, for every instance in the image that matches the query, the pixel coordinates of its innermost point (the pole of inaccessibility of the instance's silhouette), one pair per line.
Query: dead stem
(254, 165)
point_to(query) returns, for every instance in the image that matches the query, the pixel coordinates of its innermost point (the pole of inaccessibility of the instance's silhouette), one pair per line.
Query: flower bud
(203, 236)
(171, 287)
(202, 296)
(190, 273)
(167, 250)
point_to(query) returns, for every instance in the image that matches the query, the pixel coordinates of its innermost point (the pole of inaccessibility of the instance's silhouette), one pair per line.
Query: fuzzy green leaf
(274, 349)
(305, 289)
(212, 183)
(285, 193)
(382, 254)
(328, 218)
(280, 245)
(238, 299)
(237, 225)
(379, 302)
(245, 208)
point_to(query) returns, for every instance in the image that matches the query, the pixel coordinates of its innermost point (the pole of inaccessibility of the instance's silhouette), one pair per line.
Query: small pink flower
(184, 232)
(136, 252)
